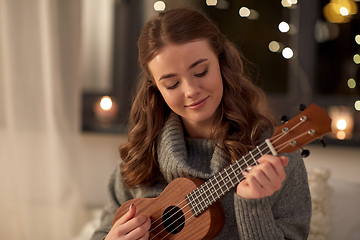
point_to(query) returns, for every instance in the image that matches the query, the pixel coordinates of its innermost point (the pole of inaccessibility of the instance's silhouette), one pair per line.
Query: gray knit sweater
(284, 215)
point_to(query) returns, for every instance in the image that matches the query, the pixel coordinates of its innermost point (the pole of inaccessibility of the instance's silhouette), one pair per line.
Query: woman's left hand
(263, 179)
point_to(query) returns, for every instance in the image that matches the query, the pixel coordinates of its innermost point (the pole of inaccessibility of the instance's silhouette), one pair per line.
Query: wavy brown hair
(241, 117)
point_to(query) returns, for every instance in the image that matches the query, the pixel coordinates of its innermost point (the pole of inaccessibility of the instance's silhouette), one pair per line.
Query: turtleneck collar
(180, 156)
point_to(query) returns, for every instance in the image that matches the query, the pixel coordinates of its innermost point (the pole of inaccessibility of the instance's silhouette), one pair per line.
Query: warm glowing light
(342, 121)
(274, 46)
(284, 27)
(341, 135)
(211, 2)
(159, 6)
(357, 39)
(357, 105)
(287, 53)
(338, 11)
(286, 3)
(344, 11)
(244, 12)
(106, 103)
(351, 83)
(356, 58)
(341, 124)
(332, 13)
(293, 2)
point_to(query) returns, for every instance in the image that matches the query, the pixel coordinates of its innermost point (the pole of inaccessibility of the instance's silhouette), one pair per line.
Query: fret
(219, 191)
(259, 150)
(200, 196)
(223, 182)
(192, 203)
(230, 178)
(266, 149)
(238, 169)
(213, 191)
(243, 157)
(197, 202)
(252, 157)
(208, 201)
(233, 172)
(216, 178)
(210, 181)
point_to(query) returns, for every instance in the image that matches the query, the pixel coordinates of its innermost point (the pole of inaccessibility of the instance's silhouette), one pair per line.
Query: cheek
(216, 83)
(171, 98)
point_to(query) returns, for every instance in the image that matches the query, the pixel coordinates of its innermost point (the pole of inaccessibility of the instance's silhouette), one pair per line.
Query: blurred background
(67, 70)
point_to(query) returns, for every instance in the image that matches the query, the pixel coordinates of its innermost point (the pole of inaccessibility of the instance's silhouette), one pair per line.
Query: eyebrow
(170, 75)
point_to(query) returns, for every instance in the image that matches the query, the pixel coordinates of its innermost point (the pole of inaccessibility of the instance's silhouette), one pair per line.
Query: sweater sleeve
(117, 194)
(284, 215)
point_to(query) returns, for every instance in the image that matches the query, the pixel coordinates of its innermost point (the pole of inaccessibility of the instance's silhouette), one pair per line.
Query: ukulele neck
(220, 184)
(311, 123)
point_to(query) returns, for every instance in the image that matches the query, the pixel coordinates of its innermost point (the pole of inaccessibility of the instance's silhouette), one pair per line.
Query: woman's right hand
(128, 227)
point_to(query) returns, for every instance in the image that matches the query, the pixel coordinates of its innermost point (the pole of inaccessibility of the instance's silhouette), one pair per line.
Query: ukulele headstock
(312, 123)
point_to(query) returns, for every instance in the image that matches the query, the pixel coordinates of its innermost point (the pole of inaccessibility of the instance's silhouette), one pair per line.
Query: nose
(192, 88)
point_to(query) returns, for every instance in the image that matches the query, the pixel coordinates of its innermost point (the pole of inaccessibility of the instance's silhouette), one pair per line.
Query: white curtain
(40, 99)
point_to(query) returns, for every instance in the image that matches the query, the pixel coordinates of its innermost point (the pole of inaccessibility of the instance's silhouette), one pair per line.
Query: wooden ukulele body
(165, 215)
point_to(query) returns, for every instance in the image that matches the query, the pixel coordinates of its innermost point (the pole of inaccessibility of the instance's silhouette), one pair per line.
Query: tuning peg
(302, 107)
(305, 153)
(284, 119)
(323, 142)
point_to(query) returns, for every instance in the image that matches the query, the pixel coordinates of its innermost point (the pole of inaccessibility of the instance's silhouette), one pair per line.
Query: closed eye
(202, 74)
(173, 86)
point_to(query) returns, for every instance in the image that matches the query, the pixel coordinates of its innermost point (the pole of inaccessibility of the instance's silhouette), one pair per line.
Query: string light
(357, 39)
(357, 105)
(244, 12)
(274, 46)
(211, 2)
(287, 53)
(284, 27)
(159, 6)
(286, 3)
(356, 58)
(351, 83)
(248, 13)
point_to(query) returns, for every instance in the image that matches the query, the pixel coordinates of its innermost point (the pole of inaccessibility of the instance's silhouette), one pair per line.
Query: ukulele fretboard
(220, 184)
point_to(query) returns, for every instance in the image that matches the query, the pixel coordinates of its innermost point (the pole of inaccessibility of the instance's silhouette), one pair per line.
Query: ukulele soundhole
(173, 219)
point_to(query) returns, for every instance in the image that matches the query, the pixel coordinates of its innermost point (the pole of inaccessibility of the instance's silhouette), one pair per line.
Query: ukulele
(189, 202)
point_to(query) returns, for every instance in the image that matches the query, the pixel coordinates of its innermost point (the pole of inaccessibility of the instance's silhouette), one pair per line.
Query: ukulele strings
(279, 136)
(279, 148)
(189, 211)
(170, 216)
(180, 209)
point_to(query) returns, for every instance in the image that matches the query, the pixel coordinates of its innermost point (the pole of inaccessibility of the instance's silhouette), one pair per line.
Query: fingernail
(249, 168)
(131, 206)
(244, 173)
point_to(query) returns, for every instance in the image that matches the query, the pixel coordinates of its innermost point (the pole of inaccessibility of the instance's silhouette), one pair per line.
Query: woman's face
(188, 77)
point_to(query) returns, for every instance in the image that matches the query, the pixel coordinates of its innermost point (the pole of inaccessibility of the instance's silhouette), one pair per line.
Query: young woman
(194, 113)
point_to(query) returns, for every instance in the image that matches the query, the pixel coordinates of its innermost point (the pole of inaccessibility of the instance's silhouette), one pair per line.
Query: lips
(198, 104)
